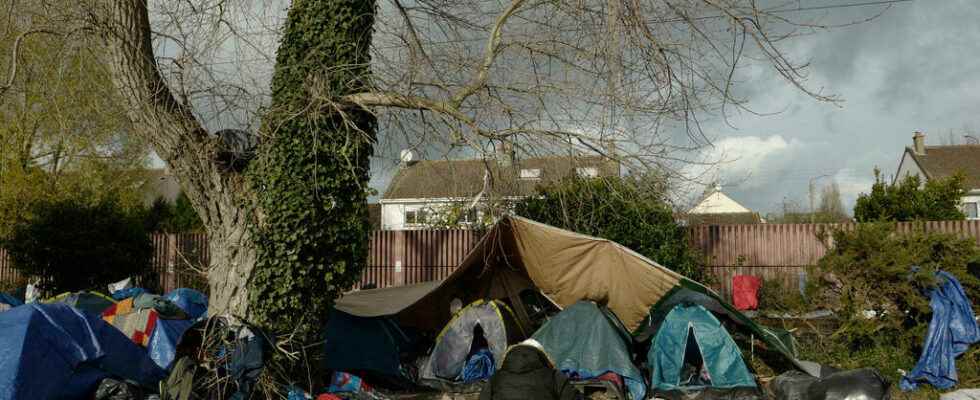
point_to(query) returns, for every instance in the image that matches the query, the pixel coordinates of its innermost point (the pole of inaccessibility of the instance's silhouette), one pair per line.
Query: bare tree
(626, 79)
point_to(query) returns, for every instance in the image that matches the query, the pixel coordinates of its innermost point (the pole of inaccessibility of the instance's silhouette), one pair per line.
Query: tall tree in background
(466, 74)
(911, 200)
(831, 207)
(62, 130)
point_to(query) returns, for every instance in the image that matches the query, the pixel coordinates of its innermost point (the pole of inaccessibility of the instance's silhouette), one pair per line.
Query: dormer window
(530, 173)
(587, 172)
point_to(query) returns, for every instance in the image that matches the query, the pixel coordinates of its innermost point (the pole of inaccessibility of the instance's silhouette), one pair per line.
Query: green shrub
(911, 200)
(76, 245)
(872, 268)
(628, 211)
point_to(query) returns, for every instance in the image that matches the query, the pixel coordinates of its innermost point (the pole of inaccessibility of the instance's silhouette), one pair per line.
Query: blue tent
(691, 329)
(952, 330)
(586, 341)
(53, 351)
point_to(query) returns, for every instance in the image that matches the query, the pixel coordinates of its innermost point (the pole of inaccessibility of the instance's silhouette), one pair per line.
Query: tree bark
(219, 196)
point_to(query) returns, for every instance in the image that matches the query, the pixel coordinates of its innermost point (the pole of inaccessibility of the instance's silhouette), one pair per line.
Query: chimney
(919, 143)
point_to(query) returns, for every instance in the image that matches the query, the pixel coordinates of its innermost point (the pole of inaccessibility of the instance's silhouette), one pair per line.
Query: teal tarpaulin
(722, 358)
(586, 341)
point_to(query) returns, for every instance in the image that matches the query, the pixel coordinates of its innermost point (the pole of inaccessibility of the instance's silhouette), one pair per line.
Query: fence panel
(770, 251)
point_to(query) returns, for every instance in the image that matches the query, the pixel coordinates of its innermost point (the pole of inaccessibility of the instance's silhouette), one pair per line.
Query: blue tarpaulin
(9, 300)
(168, 332)
(194, 303)
(952, 330)
(53, 351)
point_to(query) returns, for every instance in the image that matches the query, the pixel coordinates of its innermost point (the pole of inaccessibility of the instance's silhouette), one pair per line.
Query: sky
(913, 68)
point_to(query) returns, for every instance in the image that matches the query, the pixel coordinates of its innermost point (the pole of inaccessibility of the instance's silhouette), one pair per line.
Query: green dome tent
(690, 328)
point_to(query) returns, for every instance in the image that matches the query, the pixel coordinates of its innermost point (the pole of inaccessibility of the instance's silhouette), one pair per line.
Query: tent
(688, 332)
(52, 351)
(90, 302)
(370, 346)
(455, 341)
(586, 341)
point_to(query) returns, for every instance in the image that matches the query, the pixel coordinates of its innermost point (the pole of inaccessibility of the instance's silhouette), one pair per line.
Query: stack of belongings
(158, 322)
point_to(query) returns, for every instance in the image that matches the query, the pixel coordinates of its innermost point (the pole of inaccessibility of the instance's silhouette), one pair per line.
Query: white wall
(393, 213)
(909, 167)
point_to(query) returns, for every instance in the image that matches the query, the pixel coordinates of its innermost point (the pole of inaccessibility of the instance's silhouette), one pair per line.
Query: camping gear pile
(89, 345)
(608, 318)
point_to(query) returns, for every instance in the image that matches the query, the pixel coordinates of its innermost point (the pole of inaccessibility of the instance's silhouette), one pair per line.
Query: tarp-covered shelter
(587, 341)
(454, 343)
(370, 346)
(691, 332)
(90, 302)
(52, 351)
(519, 254)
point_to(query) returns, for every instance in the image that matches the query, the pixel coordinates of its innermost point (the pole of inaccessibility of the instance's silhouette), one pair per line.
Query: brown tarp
(385, 301)
(519, 254)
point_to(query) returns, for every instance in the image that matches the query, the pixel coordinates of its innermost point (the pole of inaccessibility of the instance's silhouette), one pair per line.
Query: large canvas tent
(519, 254)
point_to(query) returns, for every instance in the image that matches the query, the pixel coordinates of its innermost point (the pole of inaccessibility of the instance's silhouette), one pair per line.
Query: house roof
(465, 178)
(944, 161)
(717, 202)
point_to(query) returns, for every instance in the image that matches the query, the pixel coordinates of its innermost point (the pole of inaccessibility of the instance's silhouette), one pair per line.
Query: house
(716, 208)
(423, 191)
(931, 162)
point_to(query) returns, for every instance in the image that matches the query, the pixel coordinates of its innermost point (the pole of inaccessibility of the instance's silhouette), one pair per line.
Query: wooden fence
(770, 251)
(784, 251)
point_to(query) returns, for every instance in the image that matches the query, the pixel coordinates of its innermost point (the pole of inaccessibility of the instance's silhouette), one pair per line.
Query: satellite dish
(408, 156)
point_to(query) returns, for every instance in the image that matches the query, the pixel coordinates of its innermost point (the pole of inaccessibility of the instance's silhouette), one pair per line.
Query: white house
(424, 188)
(716, 208)
(929, 162)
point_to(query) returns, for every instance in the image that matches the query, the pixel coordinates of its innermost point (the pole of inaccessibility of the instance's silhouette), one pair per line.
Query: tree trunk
(219, 196)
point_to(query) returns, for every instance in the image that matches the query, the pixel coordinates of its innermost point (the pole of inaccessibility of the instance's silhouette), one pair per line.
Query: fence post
(171, 262)
(401, 249)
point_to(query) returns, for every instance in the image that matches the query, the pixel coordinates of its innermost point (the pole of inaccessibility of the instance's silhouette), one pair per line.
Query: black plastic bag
(112, 389)
(864, 383)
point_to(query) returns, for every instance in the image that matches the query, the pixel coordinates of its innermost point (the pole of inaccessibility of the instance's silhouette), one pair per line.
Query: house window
(970, 209)
(416, 217)
(587, 172)
(531, 173)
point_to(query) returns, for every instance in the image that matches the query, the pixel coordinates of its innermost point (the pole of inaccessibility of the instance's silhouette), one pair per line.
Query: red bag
(745, 292)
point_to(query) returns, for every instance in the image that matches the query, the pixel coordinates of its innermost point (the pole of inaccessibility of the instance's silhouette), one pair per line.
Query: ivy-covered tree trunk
(291, 233)
(311, 177)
